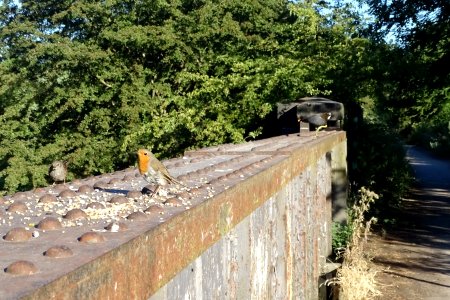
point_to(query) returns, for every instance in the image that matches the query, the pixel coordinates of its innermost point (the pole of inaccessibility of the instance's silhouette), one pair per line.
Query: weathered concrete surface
(255, 223)
(339, 183)
(274, 253)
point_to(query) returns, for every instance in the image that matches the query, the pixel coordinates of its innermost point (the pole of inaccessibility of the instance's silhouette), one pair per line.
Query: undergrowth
(434, 133)
(356, 277)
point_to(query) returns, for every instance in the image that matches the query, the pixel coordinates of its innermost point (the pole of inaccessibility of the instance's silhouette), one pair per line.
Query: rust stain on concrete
(227, 185)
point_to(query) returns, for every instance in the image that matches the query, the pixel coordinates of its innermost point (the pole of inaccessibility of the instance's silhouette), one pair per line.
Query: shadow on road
(415, 256)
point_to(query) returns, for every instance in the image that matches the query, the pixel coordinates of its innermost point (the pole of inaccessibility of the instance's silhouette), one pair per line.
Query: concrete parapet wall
(257, 225)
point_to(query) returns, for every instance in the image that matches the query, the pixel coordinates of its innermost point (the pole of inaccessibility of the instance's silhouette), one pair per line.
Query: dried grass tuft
(356, 277)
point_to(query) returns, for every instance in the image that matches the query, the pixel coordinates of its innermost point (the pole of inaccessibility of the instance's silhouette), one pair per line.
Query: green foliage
(406, 95)
(341, 234)
(418, 75)
(345, 236)
(89, 82)
(355, 277)
(434, 134)
(377, 161)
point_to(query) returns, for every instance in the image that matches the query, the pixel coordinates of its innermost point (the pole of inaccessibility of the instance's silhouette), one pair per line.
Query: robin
(153, 170)
(58, 171)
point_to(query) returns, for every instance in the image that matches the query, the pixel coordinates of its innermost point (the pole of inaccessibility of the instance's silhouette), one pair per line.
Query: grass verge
(356, 277)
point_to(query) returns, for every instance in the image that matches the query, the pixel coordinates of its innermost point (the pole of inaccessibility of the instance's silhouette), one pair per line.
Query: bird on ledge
(153, 171)
(58, 171)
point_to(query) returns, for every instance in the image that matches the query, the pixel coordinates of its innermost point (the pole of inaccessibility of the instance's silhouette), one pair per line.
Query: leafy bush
(89, 82)
(341, 234)
(434, 134)
(377, 161)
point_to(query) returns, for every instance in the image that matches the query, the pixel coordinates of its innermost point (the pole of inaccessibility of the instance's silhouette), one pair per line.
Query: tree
(91, 81)
(421, 69)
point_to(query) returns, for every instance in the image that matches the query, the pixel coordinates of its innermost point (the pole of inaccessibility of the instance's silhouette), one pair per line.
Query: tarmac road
(414, 259)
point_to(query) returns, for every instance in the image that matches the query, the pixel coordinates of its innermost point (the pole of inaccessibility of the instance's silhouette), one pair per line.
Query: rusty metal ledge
(135, 263)
(280, 145)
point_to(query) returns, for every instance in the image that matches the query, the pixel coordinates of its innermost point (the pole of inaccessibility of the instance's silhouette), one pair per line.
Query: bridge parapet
(254, 222)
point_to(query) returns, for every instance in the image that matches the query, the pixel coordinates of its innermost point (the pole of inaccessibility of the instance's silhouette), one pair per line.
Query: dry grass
(356, 277)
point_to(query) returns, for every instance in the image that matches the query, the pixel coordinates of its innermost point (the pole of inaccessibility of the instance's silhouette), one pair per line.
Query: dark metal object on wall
(309, 112)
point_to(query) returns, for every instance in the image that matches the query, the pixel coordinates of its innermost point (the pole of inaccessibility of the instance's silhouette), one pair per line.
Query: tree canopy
(420, 72)
(89, 82)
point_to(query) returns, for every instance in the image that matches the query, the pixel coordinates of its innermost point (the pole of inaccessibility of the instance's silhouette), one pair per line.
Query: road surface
(414, 260)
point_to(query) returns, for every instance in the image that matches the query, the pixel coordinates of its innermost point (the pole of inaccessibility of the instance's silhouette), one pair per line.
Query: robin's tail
(174, 181)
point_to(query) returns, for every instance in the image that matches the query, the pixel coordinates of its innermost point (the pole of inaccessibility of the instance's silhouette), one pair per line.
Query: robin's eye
(145, 153)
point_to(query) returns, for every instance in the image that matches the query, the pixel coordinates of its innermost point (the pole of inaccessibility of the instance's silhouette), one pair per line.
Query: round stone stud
(59, 187)
(67, 194)
(99, 185)
(137, 216)
(115, 180)
(84, 189)
(118, 200)
(75, 214)
(17, 207)
(21, 267)
(92, 238)
(128, 178)
(154, 209)
(185, 195)
(20, 195)
(173, 202)
(58, 252)
(18, 234)
(49, 223)
(95, 205)
(47, 198)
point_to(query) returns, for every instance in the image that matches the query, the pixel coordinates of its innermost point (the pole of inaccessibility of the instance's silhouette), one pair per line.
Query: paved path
(415, 259)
